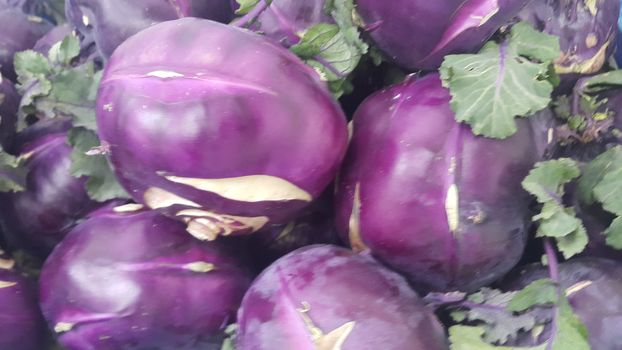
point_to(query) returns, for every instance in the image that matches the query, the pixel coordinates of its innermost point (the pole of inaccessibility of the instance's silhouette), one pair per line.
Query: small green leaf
(534, 44)
(614, 234)
(315, 39)
(30, 63)
(547, 179)
(65, 51)
(333, 50)
(546, 182)
(604, 81)
(539, 292)
(559, 225)
(12, 173)
(571, 333)
(574, 243)
(470, 338)
(101, 185)
(595, 171)
(245, 6)
(609, 190)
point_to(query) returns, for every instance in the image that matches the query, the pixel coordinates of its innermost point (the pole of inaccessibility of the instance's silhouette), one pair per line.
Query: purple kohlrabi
(225, 129)
(9, 105)
(21, 323)
(593, 290)
(132, 279)
(53, 201)
(327, 297)
(111, 22)
(19, 32)
(417, 34)
(587, 31)
(429, 198)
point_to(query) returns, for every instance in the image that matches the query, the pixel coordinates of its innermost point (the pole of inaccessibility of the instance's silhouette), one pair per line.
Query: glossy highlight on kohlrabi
(19, 32)
(324, 297)
(427, 197)
(417, 34)
(592, 287)
(21, 323)
(127, 279)
(587, 31)
(225, 130)
(111, 22)
(53, 201)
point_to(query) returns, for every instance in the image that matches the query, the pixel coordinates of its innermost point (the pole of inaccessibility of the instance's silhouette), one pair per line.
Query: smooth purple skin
(339, 287)
(111, 22)
(53, 202)
(20, 32)
(316, 225)
(587, 39)
(406, 152)
(9, 105)
(286, 20)
(21, 323)
(122, 281)
(54, 36)
(417, 34)
(598, 304)
(237, 105)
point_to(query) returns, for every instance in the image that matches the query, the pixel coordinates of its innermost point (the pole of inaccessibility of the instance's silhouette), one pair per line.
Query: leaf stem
(551, 257)
(330, 67)
(252, 15)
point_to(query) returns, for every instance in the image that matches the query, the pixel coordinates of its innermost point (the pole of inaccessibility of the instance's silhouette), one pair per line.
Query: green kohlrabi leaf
(489, 89)
(65, 51)
(333, 50)
(101, 184)
(539, 292)
(12, 172)
(500, 324)
(604, 81)
(595, 171)
(571, 333)
(471, 338)
(614, 234)
(602, 182)
(546, 182)
(245, 6)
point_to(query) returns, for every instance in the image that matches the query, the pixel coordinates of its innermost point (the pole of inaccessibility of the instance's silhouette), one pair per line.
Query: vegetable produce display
(310, 175)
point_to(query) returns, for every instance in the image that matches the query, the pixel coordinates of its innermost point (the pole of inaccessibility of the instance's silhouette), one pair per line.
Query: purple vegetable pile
(310, 175)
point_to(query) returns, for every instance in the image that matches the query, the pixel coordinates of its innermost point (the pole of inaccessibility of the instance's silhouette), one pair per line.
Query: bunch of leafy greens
(56, 86)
